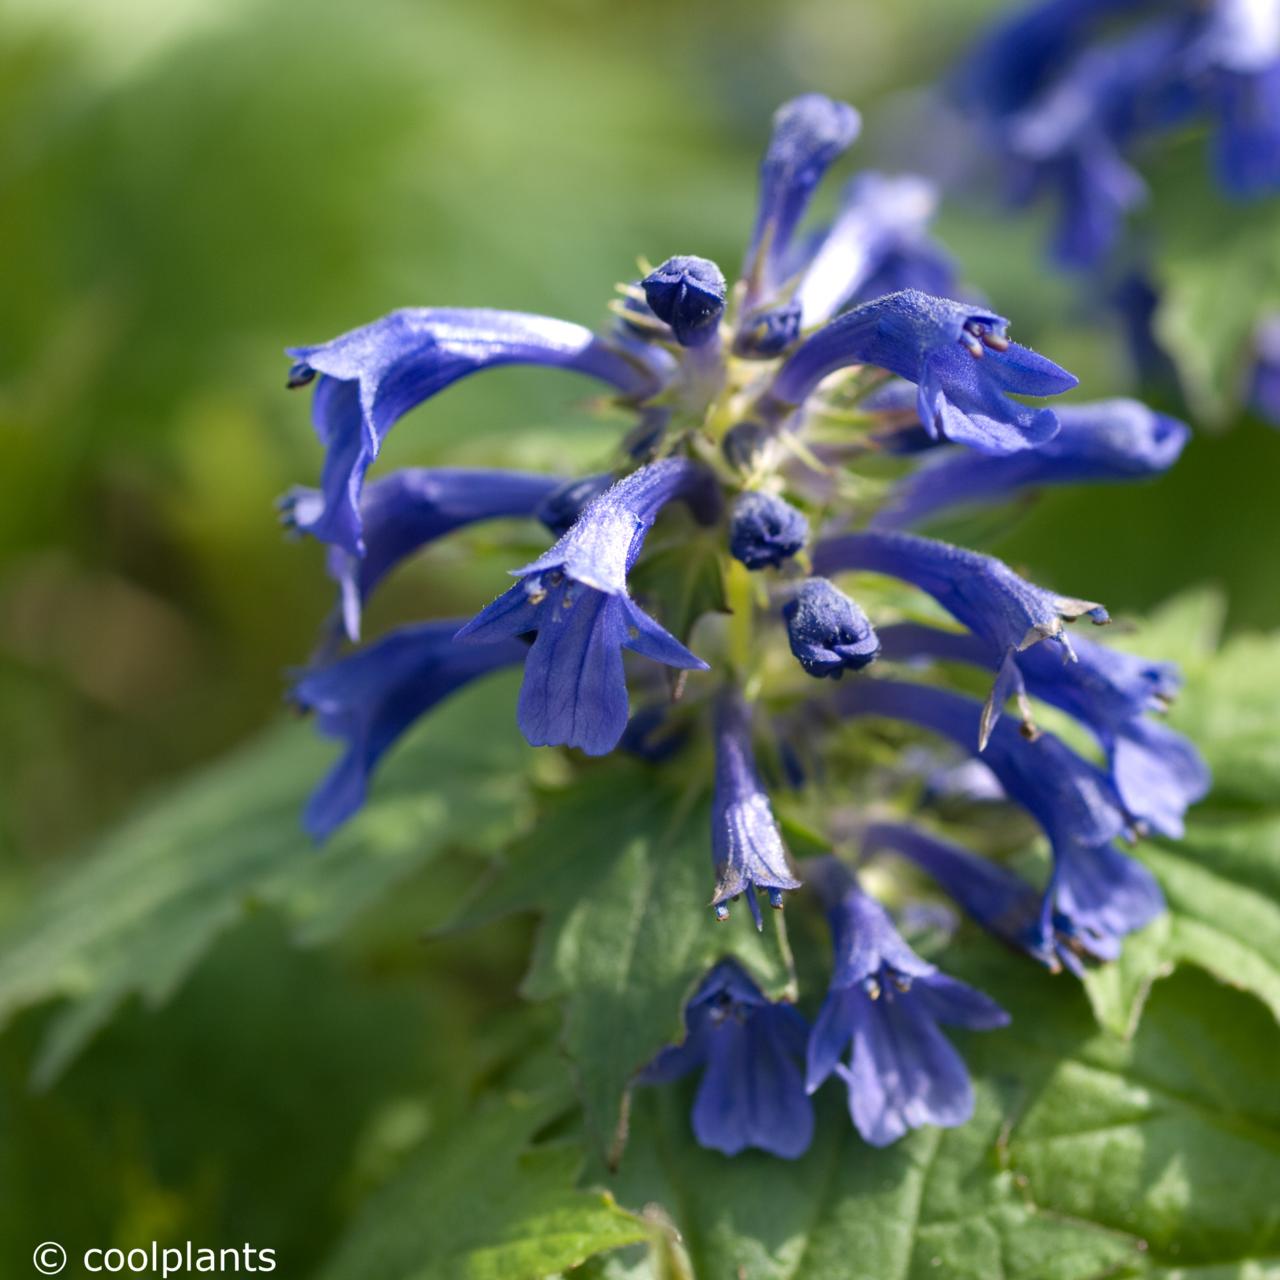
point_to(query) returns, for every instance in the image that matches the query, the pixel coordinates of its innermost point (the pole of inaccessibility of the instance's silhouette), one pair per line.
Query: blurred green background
(186, 186)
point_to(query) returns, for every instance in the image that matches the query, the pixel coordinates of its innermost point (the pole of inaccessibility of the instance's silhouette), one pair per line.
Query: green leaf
(684, 579)
(1222, 882)
(145, 906)
(1218, 274)
(1230, 709)
(478, 1204)
(620, 864)
(1088, 1157)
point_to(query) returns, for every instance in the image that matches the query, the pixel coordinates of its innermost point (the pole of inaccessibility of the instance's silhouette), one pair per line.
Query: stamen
(872, 988)
(722, 911)
(775, 899)
(299, 375)
(996, 341)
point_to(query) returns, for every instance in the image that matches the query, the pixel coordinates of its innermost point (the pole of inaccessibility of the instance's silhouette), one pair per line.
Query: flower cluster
(1065, 91)
(756, 407)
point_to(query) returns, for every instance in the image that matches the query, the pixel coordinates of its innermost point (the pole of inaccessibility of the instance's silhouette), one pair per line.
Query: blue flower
(408, 509)
(1071, 139)
(688, 294)
(877, 236)
(374, 375)
(828, 632)
(883, 1006)
(1264, 390)
(1019, 53)
(1096, 889)
(563, 504)
(955, 353)
(1001, 902)
(750, 1051)
(574, 597)
(1107, 440)
(765, 530)
(1156, 772)
(746, 844)
(766, 334)
(809, 134)
(371, 697)
(1007, 612)
(1239, 49)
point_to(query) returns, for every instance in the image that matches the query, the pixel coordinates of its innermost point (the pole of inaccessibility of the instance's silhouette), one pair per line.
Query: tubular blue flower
(1071, 138)
(809, 134)
(884, 1005)
(746, 844)
(374, 375)
(1239, 48)
(765, 530)
(1157, 773)
(828, 632)
(880, 218)
(562, 506)
(1017, 55)
(688, 294)
(575, 598)
(767, 334)
(1107, 440)
(1247, 146)
(750, 1050)
(1005, 611)
(371, 697)
(405, 511)
(1098, 892)
(998, 900)
(956, 354)
(1264, 390)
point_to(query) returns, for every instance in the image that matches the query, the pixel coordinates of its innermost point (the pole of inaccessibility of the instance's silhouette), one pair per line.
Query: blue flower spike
(884, 1008)
(752, 405)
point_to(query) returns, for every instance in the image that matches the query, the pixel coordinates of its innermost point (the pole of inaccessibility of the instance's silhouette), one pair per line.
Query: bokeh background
(186, 186)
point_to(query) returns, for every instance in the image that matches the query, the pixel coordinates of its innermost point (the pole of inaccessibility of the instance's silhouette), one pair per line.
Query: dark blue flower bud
(828, 631)
(744, 443)
(765, 530)
(300, 374)
(766, 334)
(688, 293)
(564, 504)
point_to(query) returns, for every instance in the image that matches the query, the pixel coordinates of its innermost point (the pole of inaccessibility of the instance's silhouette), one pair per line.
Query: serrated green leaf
(1230, 709)
(144, 907)
(620, 864)
(1088, 1157)
(1222, 882)
(478, 1204)
(1118, 991)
